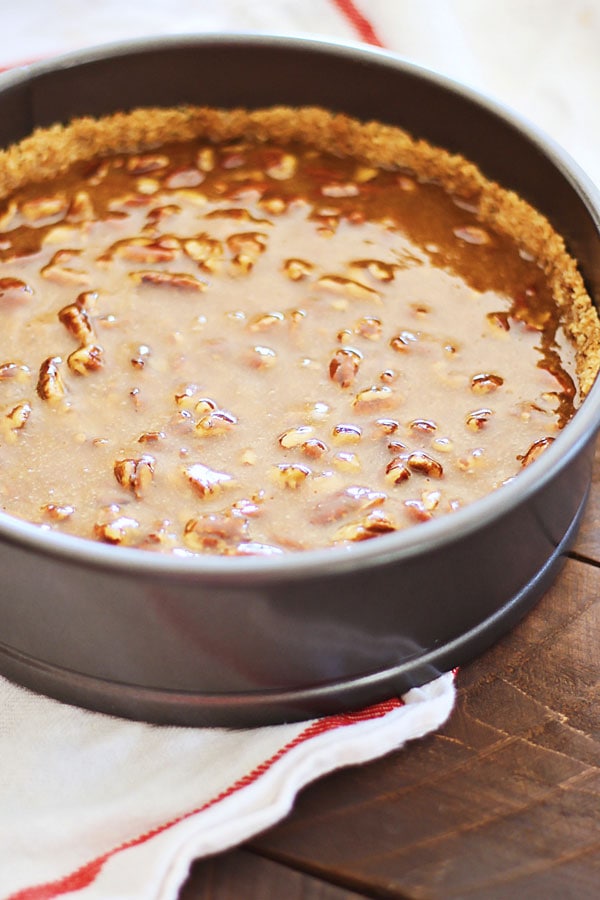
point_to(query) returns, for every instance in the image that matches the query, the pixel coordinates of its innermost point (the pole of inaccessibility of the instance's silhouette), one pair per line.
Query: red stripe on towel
(86, 874)
(360, 23)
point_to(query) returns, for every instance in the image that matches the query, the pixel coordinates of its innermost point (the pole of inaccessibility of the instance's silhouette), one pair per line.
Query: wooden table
(503, 802)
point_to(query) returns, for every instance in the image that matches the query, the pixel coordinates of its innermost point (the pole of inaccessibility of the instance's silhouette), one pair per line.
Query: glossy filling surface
(254, 349)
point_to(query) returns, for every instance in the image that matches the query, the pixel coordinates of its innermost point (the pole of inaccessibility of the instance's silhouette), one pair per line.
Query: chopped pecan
(345, 335)
(472, 461)
(13, 292)
(122, 530)
(203, 406)
(485, 383)
(184, 178)
(397, 471)
(314, 448)
(274, 205)
(158, 213)
(290, 475)
(345, 502)
(297, 269)
(161, 539)
(87, 358)
(149, 162)
(296, 316)
(205, 159)
(50, 384)
(260, 357)
(328, 220)
(347, 462)
(387, 426)
(472, 234)
(56, 512)
(76, 320)
(248, 506)
(402, 341)
(238, 213)
(422, 426)
(151, 437)
(186, 397)
(135, 474)
(340, 189)
(204, 250)
(375, 397)
(232, 159)
(266, 321)
(147, 186)
(178, 280)
(143, 250)
(431, 499)
(478, 419)
(344, 433)
(344, 366)
(417, 510)
(16, 419)
(207, 482)
(499, 320)
(373, 524)
(295, 437)
(141, 353)
(368, 327)
(406, 183)
(57, 271)
(245, 248)
(255, 548)
(282, 168)
(39, 208)
(378, 270)
(535, 451)
(251, 243)
(425, 464)
(219, 532)
(87, 300)
(81, 208)
(347, 287)
(365, 173)
(12, 370)
(214, 423)
(396, 446)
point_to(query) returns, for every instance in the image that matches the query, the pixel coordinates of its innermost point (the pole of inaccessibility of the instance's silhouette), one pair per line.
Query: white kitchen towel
(99, 808)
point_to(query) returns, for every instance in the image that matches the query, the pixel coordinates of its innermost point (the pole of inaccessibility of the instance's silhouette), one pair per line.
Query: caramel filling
(251, 349)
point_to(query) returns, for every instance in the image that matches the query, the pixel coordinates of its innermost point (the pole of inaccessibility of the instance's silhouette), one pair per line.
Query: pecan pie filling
(249, 347)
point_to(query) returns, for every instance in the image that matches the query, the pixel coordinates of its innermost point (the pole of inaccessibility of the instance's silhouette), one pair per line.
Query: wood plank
(242, 874)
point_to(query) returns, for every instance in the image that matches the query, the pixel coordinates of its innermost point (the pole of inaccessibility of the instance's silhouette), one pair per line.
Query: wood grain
(242, 875)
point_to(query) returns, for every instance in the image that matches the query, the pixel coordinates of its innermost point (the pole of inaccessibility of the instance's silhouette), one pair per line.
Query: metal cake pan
(247, 641)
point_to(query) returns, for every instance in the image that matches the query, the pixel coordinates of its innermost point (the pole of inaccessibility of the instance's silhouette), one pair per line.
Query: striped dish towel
(114, 809)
